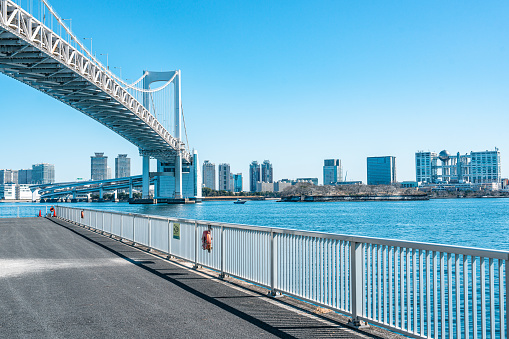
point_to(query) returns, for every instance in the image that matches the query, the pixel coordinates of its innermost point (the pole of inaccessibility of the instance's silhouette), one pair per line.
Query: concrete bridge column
(130, 188)
(101, 193)
(146, 177)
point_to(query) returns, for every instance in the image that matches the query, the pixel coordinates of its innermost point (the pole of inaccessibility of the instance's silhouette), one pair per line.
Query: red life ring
(82, 214)
(206, 240)
(52, 209)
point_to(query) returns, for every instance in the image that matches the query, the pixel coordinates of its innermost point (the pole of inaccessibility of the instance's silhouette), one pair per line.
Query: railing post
(356, 283)
(18, 211)
(195, 245)
(222, 275)
(149, 235)
(134, 229)
(273, 265)
(506, 301)
(170, 235)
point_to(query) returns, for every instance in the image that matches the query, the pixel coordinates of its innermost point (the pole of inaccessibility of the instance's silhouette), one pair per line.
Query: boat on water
(239, 201)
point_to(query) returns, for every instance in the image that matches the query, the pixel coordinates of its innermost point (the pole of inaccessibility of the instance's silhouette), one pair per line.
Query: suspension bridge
(39, 49)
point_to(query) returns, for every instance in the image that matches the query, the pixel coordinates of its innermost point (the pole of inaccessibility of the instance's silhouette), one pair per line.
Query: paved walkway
(58, 280)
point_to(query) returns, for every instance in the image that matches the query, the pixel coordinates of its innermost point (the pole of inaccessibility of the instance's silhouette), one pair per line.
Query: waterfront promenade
(60, 280)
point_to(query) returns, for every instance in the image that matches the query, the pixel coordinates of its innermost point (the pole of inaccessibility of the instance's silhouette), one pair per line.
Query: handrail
(495, 254)
(399, 285)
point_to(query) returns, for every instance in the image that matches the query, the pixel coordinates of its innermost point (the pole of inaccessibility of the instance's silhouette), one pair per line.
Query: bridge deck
(60, 280)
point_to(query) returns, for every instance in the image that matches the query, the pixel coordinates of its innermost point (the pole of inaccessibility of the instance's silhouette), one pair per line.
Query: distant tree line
(208, 192)
(309, 189)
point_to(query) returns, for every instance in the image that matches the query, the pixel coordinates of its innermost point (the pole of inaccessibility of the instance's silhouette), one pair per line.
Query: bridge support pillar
(146, 177)
(130, 188)
(101, 193)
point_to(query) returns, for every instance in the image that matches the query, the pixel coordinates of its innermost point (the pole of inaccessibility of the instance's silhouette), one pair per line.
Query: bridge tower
(175, 178)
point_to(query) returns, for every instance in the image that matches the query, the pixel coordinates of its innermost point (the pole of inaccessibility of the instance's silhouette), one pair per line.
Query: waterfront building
(23, 192)
(122, 166)
(108, 170)
(231, 183)
(281, 185)
(409, 184)
(313, 181)
(341, 183)
(237, 182)
(254, 175)
(505, 183)
(98, 167)
(267, 173)
(43, 173)
(381, 170)
(426, 167)
(24, 176)
(224, 177)
(476, 167)
(209, 175)
(8, 176)
(332, 171)
(8, 191)
(264, 186)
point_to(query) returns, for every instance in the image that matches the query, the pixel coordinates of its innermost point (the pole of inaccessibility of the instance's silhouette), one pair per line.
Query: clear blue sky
(294, 82)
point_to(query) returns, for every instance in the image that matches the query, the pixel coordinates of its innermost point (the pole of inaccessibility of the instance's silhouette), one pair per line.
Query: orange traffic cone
(40, 213)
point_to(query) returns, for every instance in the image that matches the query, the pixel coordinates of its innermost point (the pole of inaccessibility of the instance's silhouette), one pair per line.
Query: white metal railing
(417, 289)
(22, 211)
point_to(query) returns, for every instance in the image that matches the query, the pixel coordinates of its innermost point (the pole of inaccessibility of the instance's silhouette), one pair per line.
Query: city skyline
(394, 74)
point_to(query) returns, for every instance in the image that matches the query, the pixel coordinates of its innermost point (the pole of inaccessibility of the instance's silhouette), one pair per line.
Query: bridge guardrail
(22, 211)
(417, 289)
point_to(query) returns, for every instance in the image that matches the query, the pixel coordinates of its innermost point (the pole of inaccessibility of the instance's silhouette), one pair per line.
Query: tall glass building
(332, 171)
(98, 167)
(267, 173)
(381, 170)
(122, 166)
(209, 175)
(43, 174)
(254, 175)
(237, 182)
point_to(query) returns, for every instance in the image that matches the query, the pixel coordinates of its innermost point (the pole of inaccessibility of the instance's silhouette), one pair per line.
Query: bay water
(480, 222)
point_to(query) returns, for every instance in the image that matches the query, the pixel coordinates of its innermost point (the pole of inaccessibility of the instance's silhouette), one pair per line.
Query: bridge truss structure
(37, 48)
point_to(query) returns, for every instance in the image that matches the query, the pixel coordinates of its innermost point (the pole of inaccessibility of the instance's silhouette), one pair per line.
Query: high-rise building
(43, 174)
(8, 176)
(122, 166)
(332, 171)
(98, 167)
(231, 183)
(254, 175)
(476, 167)
(426, 167)
(25, 176)
(209, 175)
(237, 182)
(224, 177)
(381, 170)
(267, 175)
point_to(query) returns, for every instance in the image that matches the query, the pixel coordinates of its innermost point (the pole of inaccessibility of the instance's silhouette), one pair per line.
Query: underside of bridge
(62, 68)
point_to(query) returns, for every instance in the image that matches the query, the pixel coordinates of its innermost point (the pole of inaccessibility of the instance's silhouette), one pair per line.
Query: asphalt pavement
(58, 280)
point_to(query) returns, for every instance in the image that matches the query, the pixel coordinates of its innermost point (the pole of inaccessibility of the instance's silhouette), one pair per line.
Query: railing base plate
(357, 324)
